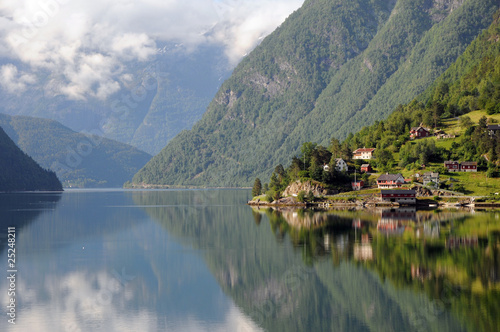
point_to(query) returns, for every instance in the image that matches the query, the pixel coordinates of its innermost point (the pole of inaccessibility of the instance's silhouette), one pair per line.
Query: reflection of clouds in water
(81, 301)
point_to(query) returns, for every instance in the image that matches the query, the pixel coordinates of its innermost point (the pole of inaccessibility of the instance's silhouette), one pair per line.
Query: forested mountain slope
(19, 172)
(329, 69)
(79, 160)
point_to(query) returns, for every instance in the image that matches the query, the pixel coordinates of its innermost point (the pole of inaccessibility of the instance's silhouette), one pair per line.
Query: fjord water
(202, 260)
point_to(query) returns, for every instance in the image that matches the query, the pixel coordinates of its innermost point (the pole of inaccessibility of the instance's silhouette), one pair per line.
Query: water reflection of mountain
(20, 209)
(283, 276)
(453, 257)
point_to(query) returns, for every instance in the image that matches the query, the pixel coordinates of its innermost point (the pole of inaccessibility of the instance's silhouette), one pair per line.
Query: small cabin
(357, 185)
(366, 168)
(419, 132)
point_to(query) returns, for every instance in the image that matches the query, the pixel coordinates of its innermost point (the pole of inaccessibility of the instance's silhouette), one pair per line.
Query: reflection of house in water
(363, 251)
(342, 243)
(431, 230)
(401, 214)
(326, 242)
(419, 272)
(454, 242)
(391, 220)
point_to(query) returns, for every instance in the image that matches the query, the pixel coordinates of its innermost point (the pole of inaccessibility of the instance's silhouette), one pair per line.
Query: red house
(357, 185)
(399, 196)
(464, 166)
(452, 166)
(366, 168)
(419, 132)
(468, 166)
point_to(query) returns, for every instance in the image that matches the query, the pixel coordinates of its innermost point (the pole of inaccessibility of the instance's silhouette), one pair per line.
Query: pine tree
(257, 187)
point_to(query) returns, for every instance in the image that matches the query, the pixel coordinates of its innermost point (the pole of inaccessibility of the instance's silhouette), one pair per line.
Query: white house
(340, 165)
(363, 153)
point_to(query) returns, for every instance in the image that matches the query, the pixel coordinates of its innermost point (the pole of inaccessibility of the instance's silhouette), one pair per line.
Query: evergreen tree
(257, 187)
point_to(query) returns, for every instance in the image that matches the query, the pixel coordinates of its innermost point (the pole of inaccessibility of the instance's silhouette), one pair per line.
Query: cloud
(13, 81)
(86, 44)
(84, 301)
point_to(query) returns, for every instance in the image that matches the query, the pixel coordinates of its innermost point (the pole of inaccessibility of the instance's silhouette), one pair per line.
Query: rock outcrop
(316, 188)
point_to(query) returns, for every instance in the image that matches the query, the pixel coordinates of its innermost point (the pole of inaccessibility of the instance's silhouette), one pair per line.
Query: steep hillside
(19, 172)
(79, 160)
(331, 68)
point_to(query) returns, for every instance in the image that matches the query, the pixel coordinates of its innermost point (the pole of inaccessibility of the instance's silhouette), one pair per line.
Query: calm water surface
(202, 260)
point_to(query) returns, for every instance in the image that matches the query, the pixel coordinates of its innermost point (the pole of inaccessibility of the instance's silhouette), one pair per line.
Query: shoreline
(421, 203)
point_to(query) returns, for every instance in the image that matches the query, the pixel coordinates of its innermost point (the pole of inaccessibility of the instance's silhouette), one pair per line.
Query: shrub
(301, 197)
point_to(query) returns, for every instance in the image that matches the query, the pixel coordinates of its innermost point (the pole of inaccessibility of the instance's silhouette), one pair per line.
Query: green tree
(335, 148)
(384, 159)
(257, 187)
(465, 122)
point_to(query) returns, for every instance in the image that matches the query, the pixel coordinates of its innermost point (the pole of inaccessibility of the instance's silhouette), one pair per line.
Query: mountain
(81, 160)
(19, 172)
(156, 100)
(329, 69)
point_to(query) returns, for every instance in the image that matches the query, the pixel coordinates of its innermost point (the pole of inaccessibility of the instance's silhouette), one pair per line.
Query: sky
(85, 45)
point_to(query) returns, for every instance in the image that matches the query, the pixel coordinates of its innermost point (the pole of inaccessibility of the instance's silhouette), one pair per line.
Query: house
(431, 178)
(340, 165)
(419, 132)
(388, 181)
(326, 168)
(464, 166)
(357, 185)
(452, 166)
(399, 196)
(366, 168)
(364, 153)
(468, 166)
(493, 129)
(440, 134)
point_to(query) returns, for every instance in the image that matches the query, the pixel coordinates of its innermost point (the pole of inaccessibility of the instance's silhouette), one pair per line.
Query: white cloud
(14, 81)
(85, 44)
(79, 301)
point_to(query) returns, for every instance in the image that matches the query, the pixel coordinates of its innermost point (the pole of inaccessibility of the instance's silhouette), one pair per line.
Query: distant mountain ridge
(331, 68)
(79, 160)
(19, 172)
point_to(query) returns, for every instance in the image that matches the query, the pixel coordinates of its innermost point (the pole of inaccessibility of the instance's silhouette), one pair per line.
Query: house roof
(363, 150)
(493, 127)
(451, 162)
(398, 191)
(389, 177)
(469, 163)
(339, 160)
(417, 128)
(365, 165)
(431, 174)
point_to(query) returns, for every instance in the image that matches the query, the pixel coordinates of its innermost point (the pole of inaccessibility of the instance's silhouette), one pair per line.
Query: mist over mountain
(331, 68)
(137, 72)
(155, 100)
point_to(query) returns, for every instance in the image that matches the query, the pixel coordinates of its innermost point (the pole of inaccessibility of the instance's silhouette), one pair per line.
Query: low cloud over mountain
(85, 45)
